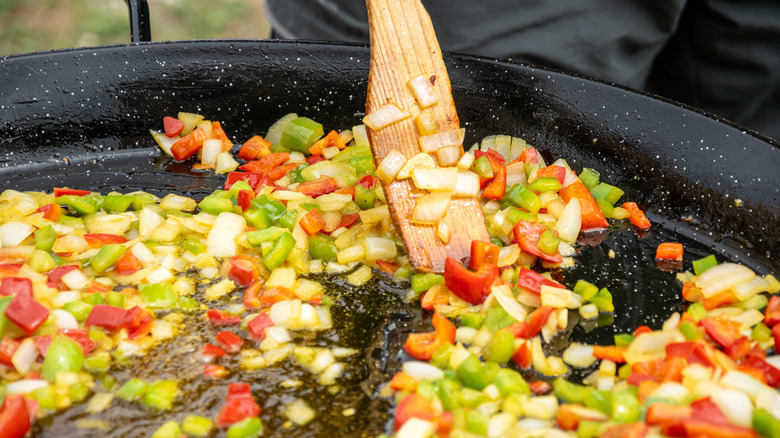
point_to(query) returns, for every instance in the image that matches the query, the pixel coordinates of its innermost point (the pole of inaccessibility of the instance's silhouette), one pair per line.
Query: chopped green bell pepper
(158, 295)
(498, 318)
(701, 265)
(216, 204)
(548, 242)
(194, 425)
(134, 389)
(625, 407)
(423, 282)
(448, 391)
(697, 311)
(471, 374)
(256, 238)
(107, 256)
(766, 424)
(482, 167)
(603, 300)
(477, 423)
(258, 218)
(141, 199)
(363, 165)
(509, 381)
(500, 348)
(169, 429)
(471, 319)
(351, 152)
(623, 339)
(689, 331)
(45, 397)
(272, 208)
(300, 134)
(161, 394)
(42, 261)
(282, 248)
(79, 309)
(569, 392)
(322, 246)
(63, 355)
(247, 428)
(117, 203)
(45, 238)
(364, 198)
(287, 220)
(521, 196)
(607, 192)
(589, 177)
(545, 184)
(84, 205)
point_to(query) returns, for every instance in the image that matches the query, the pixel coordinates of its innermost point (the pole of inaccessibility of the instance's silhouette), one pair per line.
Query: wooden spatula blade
(403, 47)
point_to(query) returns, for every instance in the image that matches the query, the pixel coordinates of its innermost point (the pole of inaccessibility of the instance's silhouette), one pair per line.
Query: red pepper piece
(42, 344)
(217, 317)
(333, 139)
(137, 321)
(173, 126)
(483, 252)
(213, 372)
(108, 317)
(51, 212)
(641, 330)
(703, 428)
(313, 159)
(592, 217)
(537, 319)
(188, 145)
(16, 286)
(81, 337)
(348, 190)
(386, 267)
(496, 189)
(257, 325)
(469, 286)
(776, 334)
(540, 387)
(244, 199)
(368, 181)
(255, 147)
(14, 416)
(210, 351)
(522, 356)
(218, 133)
(64, 191)
(413, 406)
(557, 172)
(532, 281)
(727, 336)
(252, 294)
(239, 405)
(312, 222)
(8, 347)
(771, 374)
(422, 345)
(266, 163)
(243, 269)
(528, 156)
(611, 352)
(527, 235)
(254, 179)
(229, 341)
(637, 216)
(318, 187)
(669, 251)
(25, 312)
(403, 382)
(56, 274)
(772, 312)
(349, 220)
(278, 172)
(662, 413)
(127, 264)
(630, 430)
(97, 240)
(434, 297)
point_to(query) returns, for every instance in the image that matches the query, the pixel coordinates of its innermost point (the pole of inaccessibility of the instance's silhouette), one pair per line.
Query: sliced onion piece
(723, 277)
(13, 233)
(422, 370)
(221, 238)
(164, 141)
(75, 280)
(515, 174)
(421, 160)
(385, 116)
(225, 163)
(25, 356)
(211, 148)
(579, 355)
(431, 143)
(25, 386)
(570, 221)
(443, 232)
(423, 91)
(508, 255)
(466, 161)
(504, 296)
(359, 134)
(466, 184)
(426, 123)
(748, 289)
(431, 208)
(435, 179)
(569, 179)
(390, 165)
(64, 319)
(448, 156)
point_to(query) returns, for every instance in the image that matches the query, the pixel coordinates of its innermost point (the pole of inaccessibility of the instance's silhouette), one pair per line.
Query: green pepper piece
(300, 134)
(471, 319)
(545, 184)
(689, 331)
(761, 333)
(363, 165)
(97, 362)
(521, 196)
(701, 265)
(258, 218)
(288, 219)
(351, 152)
(515, 215)
(589, 177)
(194, 246)
(364, 198)
(548, 242)
(73, 222)
(161, 394)
(623, 339)
(94, 299)
(141, 199)
(482, 167)
(282, 248)
(404, 272)
(134, 389)
(4, 302)
(45, 237)
(471, 374)
(238, 186)
(423, 282)
(107, 256)
(247, 428)
(45, 396)
(79, 309)
(108, 382)
(256, 238)
(477, 423)
(569, 392)
(296, 174)
(448, 391)
(500, 348)
(216, 204)
(471, 398)
(84, 205)
(322, 246)
(158, 295)
(598, 400)
(426, 389)
(186, 303)
(42, 261)
(441, 357)
(766, 424)
(498, 318)
(78, 392)
(608, 193)
(603, 301)
(169, 429)
(117, 203)
(63, 355)
(194, 425)
(606, 208)
(510, 381)
(115, 299)
(272, 208)
(697, 311)
(625, 407)
(588, 429)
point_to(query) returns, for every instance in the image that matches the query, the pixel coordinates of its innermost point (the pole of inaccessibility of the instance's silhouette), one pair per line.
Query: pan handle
(139, 21)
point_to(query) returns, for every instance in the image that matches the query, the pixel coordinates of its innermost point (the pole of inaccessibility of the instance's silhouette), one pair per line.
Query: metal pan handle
(140, 29)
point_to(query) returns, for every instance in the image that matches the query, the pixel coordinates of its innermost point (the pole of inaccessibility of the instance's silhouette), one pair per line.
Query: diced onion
(651, 346)
(25, 356)
(515, 174)
(431, 208)
(423, 91)
(426, 123)
(64, 319)
(299, 412)
(25, 386)
(579, 355)
(390, 165)
(211, 148)
(503, 294)
(422, 370)
(143, 253)
(443, 232)
(723, 277)
(221, 238)
(385, 116)
(333, 201)
(274, 134)
(75, 279)
(164, 141)
(359, 135)
(379, 248)
(743, 382)
(569, 179)
(225, 163)
(13, 233)
(443, 178)
(422, 160)
(416, 428)
(748, 289)
(466, 161)
(148, 220)
(433, 142)
(736, 405)
(448, 156)
(466, 184)
(508, 255)
(570, 221)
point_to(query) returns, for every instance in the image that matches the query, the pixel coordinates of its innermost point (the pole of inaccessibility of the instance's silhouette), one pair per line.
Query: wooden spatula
(403, 47)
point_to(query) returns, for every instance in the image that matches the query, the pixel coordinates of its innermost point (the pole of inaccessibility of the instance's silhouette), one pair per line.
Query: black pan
(80, 118)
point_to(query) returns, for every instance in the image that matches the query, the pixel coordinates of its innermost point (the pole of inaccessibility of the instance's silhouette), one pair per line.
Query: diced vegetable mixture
(91, 282)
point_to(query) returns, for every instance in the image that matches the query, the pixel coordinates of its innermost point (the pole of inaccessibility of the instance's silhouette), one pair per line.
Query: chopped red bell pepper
(254, 179)
(55, 275)
(312, 222)
(218, 133)
(14, 417)
(210, 351)
(8, 347)
(42, 344)
(641, 330)
(257, 325)
(528, 156)
(771, 374)
(273, 295)
(254, 148)
(213, 372)
(727, 335)
(25, 312)
(636, 216)
(239, 405)
(662, 413)
(557, 172)
(252, 294)
(592, 217)
(98, 240)
(532, 281)
(772, 312)
(137, 322)
(368, 181)
(51, 212)
(496, 159)
(540, 387)
(434, 297)
(313, 159)
(483, 252)
(266, 163)
(630, 430)
(333, 139)
(422, 345)
(496, 189)
(469, 286)
(82, 338)
(349, 220)
(386, 267)
(348, 190)
(188, 145)
(527, 235)
(278, 172)
(669, 251)
(108, 317)
(413, 406)
(537, 319)
(229, 341)
(243, 269)
(64, 191)
(611, 352)
(217, 317)
(16, 286)
(704, 428)
(173, 126)
(567, 418)
(776, 334)
(244, 199)
(127, 264)
(318, 187)
(522, 356)
(403, 382)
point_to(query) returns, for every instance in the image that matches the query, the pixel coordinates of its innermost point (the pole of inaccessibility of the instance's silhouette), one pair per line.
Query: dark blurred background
(30, 26)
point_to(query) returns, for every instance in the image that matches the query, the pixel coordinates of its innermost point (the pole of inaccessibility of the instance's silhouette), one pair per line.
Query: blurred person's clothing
(722, 56)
